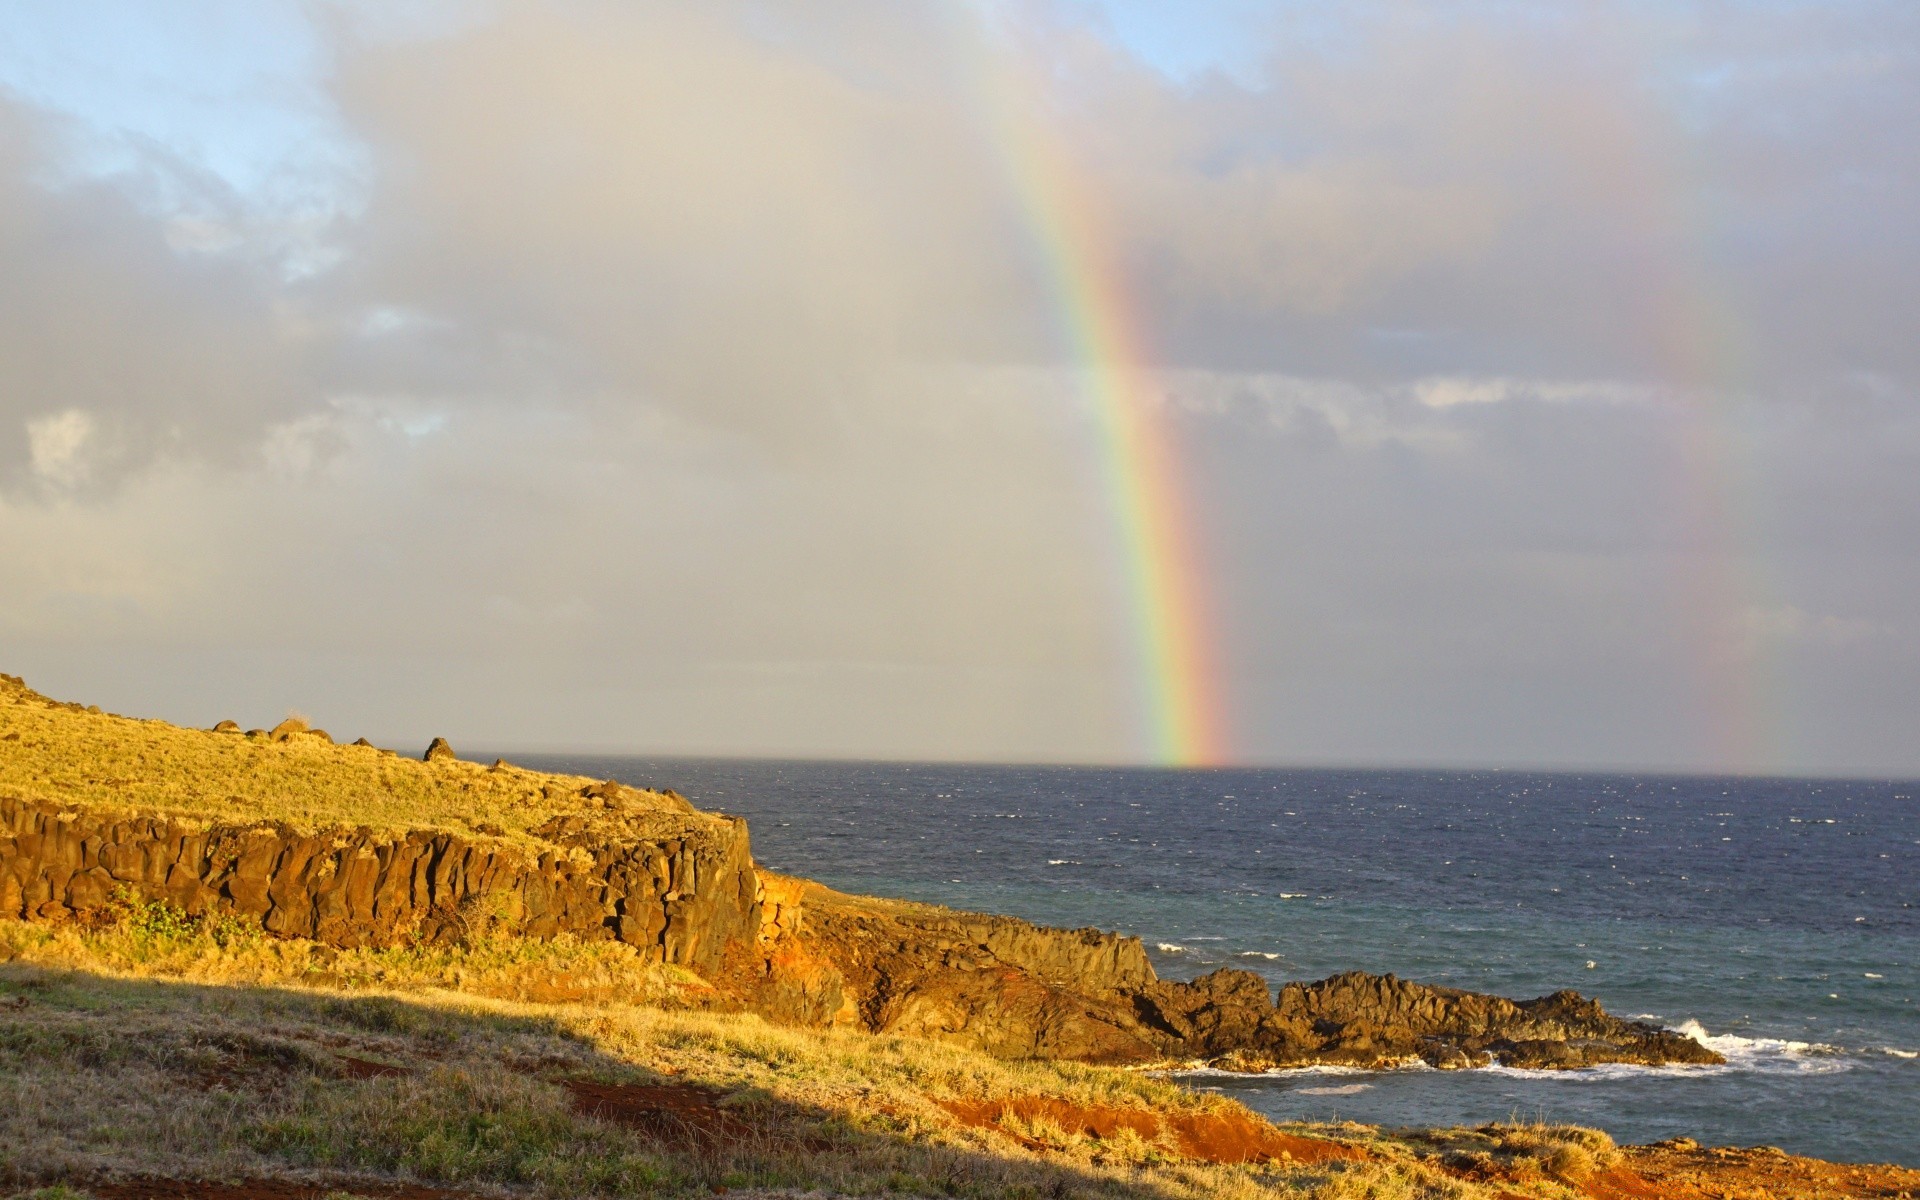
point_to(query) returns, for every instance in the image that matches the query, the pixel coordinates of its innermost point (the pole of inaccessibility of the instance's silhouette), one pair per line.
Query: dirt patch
(256, 1189)
(361, 1068)
(669, 1112)
(1683, 1171)
(1624, 1183)
(1221, 1137)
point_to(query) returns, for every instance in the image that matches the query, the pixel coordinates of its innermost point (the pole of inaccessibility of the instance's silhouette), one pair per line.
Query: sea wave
(1772, 1055)
(1266, 954)
(1777, 1056)
(1350, 1089)
(1412, 1064)
(1602, 1072)
(1170, 948)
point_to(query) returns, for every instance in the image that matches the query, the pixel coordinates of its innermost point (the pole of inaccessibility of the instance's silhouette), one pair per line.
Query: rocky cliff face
(685, 900)
(995, 983)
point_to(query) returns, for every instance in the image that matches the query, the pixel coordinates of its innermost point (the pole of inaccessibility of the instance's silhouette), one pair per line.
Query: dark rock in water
(227, 727)
(1364, 1020)
(437, 749)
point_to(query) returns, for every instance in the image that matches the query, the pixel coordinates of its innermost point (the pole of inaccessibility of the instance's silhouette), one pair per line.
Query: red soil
(667, 1111)
(360, 1068)
(1683, 1171)
(1225, 1137)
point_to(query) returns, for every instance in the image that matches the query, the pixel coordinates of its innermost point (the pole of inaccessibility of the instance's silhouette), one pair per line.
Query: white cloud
(57, 445)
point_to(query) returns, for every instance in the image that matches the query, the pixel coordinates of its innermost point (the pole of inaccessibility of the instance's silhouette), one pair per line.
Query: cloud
(662, 204)
(57, 444)
(119, 346)
(678, 376)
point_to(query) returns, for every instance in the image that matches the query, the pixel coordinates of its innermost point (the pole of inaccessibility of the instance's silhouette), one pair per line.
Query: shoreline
(741, 938)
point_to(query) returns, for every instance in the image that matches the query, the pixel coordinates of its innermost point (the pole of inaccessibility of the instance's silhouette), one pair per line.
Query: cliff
(355, 846)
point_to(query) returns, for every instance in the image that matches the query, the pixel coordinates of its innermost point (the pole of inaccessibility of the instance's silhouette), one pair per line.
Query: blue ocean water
(1777, 919)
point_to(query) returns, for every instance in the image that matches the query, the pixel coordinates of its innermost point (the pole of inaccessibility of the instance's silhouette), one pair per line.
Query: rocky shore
(1018, 990)
(600, 860)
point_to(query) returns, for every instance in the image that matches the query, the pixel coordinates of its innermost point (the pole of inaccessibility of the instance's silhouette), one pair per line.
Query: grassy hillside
(67, 754)
(157, 1046)
(148, 1054)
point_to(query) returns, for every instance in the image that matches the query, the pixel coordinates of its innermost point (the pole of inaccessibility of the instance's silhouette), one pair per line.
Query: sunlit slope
(72, 755)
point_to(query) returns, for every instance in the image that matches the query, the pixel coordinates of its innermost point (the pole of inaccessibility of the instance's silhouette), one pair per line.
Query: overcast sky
(687, 378)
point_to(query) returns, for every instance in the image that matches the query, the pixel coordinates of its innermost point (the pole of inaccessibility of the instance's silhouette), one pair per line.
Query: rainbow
(1722, 591)
(1723, 594)
(1181, 715)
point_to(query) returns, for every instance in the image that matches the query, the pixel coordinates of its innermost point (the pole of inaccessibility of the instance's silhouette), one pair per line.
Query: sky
(1540, 382)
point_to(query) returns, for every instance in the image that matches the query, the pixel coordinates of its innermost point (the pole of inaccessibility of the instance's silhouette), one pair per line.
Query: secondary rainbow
(1181, 712)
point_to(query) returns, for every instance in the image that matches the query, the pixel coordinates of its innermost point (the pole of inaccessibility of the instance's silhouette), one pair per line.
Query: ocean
(1778, 920)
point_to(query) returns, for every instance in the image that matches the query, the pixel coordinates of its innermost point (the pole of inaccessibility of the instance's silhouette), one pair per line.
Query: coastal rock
(437, 749)
(1362, 1020)
(689, 899)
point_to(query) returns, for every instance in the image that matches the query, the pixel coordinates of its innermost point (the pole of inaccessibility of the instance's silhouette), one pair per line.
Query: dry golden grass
(152, 1043)
(69, 755)
(160, 1045)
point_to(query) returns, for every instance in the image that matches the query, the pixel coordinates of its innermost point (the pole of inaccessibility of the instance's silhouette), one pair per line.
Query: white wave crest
(1351, 1089)
(1773, 1055)
(1268, 955)
(1170, 947)
(1202, 1072)
(1063, 862)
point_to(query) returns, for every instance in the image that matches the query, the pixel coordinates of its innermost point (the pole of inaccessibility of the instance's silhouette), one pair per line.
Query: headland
(198, 874)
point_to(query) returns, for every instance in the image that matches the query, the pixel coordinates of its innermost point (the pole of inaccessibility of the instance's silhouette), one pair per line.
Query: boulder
(437, 749)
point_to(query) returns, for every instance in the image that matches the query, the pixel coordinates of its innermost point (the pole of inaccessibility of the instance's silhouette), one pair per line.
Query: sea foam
(1773, 1055)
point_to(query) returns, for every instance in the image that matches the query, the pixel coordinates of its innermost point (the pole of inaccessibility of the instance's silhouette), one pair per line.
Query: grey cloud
(683, 209)
(118, 346)
(689, 377)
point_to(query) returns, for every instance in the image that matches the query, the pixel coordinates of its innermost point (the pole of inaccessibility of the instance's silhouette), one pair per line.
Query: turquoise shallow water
(1777, 919)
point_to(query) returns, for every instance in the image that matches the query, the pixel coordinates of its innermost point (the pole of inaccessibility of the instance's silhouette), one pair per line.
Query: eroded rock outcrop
(995, 983)
(686, 900)
(1364, 1020)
